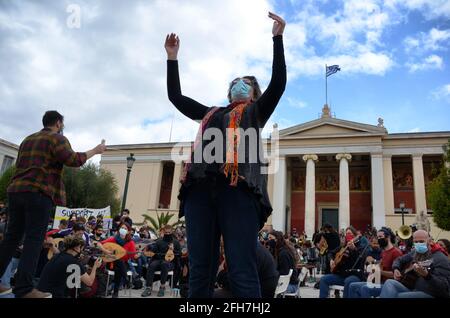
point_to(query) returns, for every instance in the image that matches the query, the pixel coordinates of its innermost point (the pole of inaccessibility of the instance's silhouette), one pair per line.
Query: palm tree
(161, 220)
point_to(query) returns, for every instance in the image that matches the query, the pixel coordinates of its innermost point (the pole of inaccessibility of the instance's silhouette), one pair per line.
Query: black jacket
(255, 116)
(286, 262)
(437, 283)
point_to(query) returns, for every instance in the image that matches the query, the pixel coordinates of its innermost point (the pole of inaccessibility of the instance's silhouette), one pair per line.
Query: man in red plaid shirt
(35, 189)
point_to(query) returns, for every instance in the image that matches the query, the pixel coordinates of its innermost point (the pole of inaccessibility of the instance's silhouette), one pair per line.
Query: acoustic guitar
(409, 275)
(342, 255)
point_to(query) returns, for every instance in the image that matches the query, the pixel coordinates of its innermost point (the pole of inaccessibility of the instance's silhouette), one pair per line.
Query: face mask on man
(382, 242)
(240, 90)
(421, 248)
(349, 237)
(123, 232)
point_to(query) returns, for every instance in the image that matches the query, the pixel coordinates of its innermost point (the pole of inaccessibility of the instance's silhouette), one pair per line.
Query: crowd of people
(338, 258)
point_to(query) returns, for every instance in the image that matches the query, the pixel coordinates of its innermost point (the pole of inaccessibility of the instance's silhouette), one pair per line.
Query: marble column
(378, 208)
(419, 183)
(310, 194)
(279, 196)
(344, 190)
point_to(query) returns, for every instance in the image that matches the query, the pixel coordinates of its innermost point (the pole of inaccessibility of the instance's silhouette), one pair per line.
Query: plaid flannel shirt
(40, 163)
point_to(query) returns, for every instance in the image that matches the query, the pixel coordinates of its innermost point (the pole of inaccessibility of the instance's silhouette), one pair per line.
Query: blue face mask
(421, 248)
(240, 90)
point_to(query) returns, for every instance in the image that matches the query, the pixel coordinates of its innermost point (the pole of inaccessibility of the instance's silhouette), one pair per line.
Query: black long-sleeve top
(255, 116)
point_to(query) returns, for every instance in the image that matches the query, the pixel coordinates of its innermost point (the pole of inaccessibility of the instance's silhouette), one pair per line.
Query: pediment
(331, 127)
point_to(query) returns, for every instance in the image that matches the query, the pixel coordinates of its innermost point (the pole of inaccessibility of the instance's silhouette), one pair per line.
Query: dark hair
(388, 233)
(126, 210)
(446, 243)
(352, 229)
(128, 236)
(328, 227)
(168, 227)
(256, 89)
(71, 241)
(91, 218)
(78, 227)
(281, 243)
(63, 222)
(98, 226)
(117, 218)
(51, 117)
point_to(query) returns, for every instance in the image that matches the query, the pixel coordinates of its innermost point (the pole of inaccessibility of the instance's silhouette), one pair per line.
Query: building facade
(8, 155)
(329, 171)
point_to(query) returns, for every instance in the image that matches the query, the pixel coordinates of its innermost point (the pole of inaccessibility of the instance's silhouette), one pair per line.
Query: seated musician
(386, 240)
(351, 267)
(97, 234)
(286, 259)
(77, 230)
(159, 263)
(56, 272)
(427, 272)
(122, 238)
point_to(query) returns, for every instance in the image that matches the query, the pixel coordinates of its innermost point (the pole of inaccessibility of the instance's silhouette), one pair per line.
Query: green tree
(439, 193)
(91, 187)
(5, 180)
(160, 221)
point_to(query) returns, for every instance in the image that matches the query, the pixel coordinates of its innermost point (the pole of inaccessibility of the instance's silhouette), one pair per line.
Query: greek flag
(332, 69)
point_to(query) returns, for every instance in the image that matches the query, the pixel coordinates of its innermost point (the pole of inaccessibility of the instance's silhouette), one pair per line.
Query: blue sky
(107, 76)
(409, 93)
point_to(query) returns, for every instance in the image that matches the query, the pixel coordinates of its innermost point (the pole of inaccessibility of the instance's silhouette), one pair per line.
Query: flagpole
(326, 85)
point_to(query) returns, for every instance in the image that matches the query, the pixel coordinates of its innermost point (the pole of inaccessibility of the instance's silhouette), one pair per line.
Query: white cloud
(434, 40)
(414, 130)
(431, 9)
(429, 63)
(109, 77)
(296, 103)
(350, 37)
(442, 93)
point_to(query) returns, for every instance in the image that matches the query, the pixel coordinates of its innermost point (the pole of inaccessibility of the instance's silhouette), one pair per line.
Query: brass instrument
(404, 232)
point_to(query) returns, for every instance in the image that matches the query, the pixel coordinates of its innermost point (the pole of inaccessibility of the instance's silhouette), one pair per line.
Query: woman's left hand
(278, 24)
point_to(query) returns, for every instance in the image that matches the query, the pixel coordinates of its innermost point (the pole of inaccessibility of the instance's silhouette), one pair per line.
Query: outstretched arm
(268, 101)
(189, 107)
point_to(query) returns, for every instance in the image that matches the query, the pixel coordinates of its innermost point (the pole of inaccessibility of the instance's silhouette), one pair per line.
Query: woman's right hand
(172, 45)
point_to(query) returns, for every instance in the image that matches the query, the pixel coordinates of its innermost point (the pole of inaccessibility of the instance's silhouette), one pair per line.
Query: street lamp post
(130, 162)
(402, 208)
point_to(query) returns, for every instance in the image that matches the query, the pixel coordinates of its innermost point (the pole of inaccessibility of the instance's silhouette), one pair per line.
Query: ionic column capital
(340, 156)
(310, 157)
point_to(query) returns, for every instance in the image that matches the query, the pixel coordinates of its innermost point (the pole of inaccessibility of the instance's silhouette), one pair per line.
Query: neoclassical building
(8, 154)
(329, 171)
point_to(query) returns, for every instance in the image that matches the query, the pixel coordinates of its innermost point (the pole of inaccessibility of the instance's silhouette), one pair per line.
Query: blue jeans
(292, 288)
(29, 213)
(5, 281)
(362, 290)
(214, 209)
(333, 279)
(395, 289)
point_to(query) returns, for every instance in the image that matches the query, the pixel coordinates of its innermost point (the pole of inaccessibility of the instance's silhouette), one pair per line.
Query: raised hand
(172, 45)
(278, 24)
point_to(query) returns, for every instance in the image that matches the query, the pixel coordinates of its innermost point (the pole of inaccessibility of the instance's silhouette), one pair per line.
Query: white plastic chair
(283, 283)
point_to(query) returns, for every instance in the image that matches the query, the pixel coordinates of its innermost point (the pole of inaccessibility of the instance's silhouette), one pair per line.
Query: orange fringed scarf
(231, 165)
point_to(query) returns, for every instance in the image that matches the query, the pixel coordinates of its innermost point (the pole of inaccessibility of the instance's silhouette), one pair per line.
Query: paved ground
(306, 292)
